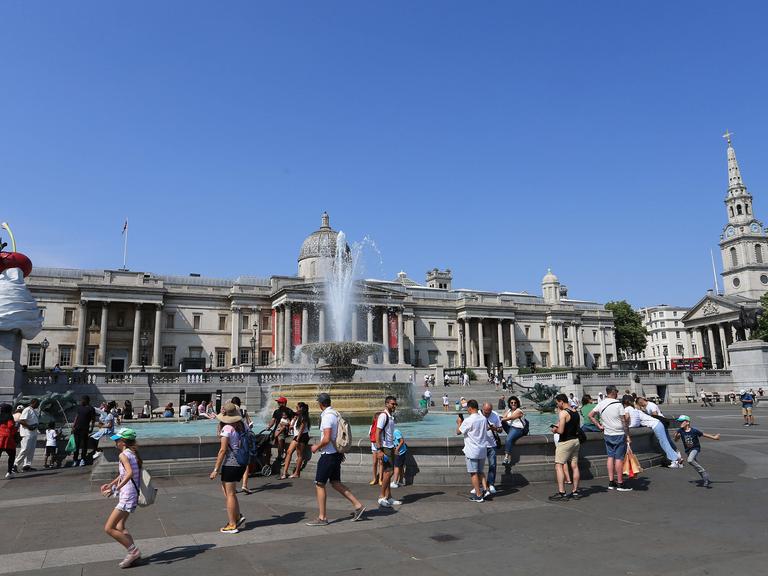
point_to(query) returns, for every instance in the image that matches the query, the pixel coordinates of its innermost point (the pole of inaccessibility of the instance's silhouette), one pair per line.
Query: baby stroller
(261, 459)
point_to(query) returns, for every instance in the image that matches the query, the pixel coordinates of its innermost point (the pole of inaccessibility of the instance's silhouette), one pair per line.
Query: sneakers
(393, 502)
(28, 469)
(746, 423)
(486, 494)
(81, 463)
(707, 483)
(472, 491)
(240, 521)
(96, 455)
(229, 529)
(674, 464)
(130, 558)
(492, 489)
(319, 522)
(507, 460)
(558, 497)
(612, 485)
(8, 475)
(476, 498)
(384, 503)
(394, 485)
(622, 488)
(358, 514)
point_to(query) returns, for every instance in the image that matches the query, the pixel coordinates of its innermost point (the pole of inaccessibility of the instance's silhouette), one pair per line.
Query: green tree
(630, 332)
(761, 332)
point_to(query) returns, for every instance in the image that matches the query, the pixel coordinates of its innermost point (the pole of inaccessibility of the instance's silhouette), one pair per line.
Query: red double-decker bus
(687, 363)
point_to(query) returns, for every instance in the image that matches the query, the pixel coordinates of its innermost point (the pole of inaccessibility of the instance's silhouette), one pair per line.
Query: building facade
(119, 320)
(668, 339)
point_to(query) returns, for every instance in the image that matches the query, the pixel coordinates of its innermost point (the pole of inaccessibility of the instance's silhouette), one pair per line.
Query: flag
(125, 226)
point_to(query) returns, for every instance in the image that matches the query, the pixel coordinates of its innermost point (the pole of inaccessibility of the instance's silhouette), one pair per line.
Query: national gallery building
(123, 321)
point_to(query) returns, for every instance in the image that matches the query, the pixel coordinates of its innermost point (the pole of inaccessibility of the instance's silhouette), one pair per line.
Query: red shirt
(7, 432)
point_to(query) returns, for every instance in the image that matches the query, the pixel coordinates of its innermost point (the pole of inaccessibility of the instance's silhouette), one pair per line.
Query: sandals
(283, 476)
(246, 491)
(294, 476)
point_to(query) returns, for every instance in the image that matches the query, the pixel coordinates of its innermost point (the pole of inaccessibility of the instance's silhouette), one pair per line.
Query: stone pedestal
(749, 363)
(10, 368)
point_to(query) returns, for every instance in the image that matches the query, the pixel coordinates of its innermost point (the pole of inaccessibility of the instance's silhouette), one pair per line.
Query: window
(544, 359)
(565, 332)
(529, 359)
(677, 334)
(266, 321)
(120, 318)
(433, 356)
(661, 314)
(734, 258)
(222, 322)
(450, 329)
(195, 352)
(65, 355)
(676, 323)
(674, 313)
(431, 332)
(680, 350)
(169, 357)
(594, 335)
(170, 320)
(738, 209)
(663, 324)
(90, 356)
(527, 331)
(33, 356)
(93, 318)
(245, 355)
(221, 358)
(758, 253)
(541, 332)
(196, 321)
(245, 322)
(264, 357)
(451, 359)
(694, 351)
(663, 335)
(69, 317)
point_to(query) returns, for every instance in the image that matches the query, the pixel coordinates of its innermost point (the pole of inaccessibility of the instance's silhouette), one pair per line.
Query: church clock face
(730, 231)
(755, 227)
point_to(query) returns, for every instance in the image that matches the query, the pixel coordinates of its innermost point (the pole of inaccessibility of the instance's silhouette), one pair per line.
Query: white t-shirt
(386, 423)
(30, 415)
(493, 420)
(474, 428)
(611, 413)
(329, 420)
(445, 400)
(50, 437)
(228, 431)
(184, 411)
(652, 407)
(645, 419)
(634, 416)
(517, 422)
(427, 394)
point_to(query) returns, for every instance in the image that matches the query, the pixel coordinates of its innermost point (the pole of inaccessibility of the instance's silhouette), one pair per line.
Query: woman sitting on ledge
(169, 411)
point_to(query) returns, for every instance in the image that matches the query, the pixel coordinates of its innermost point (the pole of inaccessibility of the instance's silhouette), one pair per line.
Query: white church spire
(735, 183)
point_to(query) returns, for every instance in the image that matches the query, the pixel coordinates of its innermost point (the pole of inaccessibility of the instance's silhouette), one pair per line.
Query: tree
(761, 332)
(630, 332)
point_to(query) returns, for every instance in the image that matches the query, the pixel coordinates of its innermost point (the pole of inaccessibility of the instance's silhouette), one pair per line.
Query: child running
(690, 436)
(126, 487)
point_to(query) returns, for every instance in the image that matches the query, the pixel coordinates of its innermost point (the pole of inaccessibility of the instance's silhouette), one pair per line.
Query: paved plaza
(52, 523)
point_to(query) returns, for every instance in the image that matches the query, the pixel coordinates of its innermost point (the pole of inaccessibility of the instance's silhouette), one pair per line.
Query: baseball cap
(683, 418)
(282, 400)
(124, 434)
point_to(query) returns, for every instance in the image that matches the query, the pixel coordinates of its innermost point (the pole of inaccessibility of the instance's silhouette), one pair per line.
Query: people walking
(747, 402)
(692, 445)
(329, 465)
(231, 430)
(474, 428)
(385, 451)
(705, 401)
(567, 450)
(28, 423)
(81, 429)
(126, 488)
(8, 436)
(299, 439)
(614, 424)
(513, 422)
(493, 443)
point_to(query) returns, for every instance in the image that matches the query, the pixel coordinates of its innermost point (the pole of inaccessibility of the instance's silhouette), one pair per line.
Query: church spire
(735, 184)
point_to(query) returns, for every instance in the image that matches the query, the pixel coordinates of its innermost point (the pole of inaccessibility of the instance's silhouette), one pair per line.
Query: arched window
(734, 258)
(758, 253)
(738, 209)
(746, 207)
(731, 211)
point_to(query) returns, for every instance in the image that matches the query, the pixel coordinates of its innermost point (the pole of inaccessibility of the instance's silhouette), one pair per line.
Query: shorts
(232, 473)
(567, 451)
(328, 468)
(303, 439)
(475, 465)
(400, 460)
(746, 410)
(616, 446)
(50, 450)
(129, 506)
(388, 460)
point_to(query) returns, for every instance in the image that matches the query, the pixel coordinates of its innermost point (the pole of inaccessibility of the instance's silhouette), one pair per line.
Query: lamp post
(463, 348)
(666, 353)
(210, 360)
(44, 345)
(253, 347)
(144, 341)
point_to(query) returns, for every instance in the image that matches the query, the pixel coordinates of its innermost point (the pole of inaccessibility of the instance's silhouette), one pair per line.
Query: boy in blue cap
(690, 436)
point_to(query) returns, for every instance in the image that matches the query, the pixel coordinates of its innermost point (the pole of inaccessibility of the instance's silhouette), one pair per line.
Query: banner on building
(393, 335)
(296, 321)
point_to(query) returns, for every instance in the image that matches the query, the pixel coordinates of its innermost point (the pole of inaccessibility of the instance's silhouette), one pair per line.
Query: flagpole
(714, 272)
(125, 245)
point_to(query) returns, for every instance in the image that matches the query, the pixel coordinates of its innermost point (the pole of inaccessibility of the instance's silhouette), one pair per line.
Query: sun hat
(683, 418)
(124, 434)
(282, 400)
(229, 414)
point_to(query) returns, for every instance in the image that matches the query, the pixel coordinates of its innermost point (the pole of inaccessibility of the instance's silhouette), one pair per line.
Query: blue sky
(494, 138)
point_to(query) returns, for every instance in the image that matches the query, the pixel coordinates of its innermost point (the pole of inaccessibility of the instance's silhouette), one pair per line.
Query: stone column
(385, 334)
(687, 344)
(698, 334)
(552, 344)
(278, 335)
(321, 324)
(304, 324)
(80, 348)
(156, 339)
(502, 357)
(560, 344)
(369, 326)
(467, 343)
(287, 330)
(480, 344)
(512, 345)
(135, 359)
(724, 347)
(234, 347)
(355, 337)
(102, 359)
(576, 350)
(712, 352)
(603, 356)
(400, 344)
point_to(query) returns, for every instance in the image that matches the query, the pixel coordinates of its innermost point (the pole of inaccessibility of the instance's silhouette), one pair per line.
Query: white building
(117, 320)
(668, 339)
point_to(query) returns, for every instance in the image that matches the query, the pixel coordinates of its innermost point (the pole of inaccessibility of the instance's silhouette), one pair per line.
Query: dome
(549, 278)
(321, 243)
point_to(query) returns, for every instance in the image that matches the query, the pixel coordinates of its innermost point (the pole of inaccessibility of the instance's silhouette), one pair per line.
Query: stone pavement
(52, 524)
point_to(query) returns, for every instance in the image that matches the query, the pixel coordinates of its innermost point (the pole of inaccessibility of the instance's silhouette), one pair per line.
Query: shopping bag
(631, 464)
(70, 449)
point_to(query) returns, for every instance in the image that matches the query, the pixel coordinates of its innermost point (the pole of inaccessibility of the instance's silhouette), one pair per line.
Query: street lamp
(253, 347)
(463, 348)
(210, 360)
(666, 353)
(144, 341)
(44, 345)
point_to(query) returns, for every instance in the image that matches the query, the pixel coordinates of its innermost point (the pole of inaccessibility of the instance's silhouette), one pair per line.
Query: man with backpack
(329, 465)
(385, 450)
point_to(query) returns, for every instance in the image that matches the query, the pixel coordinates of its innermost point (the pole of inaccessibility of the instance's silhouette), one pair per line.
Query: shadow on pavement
(411, 498)
(289, 518)
(175, 554)
(278, 486)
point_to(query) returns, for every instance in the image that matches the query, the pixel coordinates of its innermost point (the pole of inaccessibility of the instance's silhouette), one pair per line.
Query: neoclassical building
(744, 253)
(120, 320)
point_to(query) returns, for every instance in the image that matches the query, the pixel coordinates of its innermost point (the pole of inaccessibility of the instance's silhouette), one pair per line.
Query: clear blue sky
(494, 138)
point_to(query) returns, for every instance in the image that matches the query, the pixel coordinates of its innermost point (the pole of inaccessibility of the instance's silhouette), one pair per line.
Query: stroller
(261, 460)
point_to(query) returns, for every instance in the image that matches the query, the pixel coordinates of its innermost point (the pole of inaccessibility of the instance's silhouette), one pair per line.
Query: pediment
(711, 307)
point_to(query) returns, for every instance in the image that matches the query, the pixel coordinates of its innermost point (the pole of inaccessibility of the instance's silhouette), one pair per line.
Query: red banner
(274, 323)
(296, 321)
(393, 335)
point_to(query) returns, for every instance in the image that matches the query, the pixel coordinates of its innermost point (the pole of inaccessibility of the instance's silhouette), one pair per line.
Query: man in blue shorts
(614, 423)
(329, 465)
(747, 402)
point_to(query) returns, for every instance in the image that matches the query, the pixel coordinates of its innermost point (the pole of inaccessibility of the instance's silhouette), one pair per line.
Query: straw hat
(229, 414)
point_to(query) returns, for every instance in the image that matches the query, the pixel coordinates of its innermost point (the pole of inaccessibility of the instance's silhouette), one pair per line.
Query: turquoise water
(434, 425)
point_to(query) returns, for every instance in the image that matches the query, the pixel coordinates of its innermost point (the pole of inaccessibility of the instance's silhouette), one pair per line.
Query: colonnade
(712, 341)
